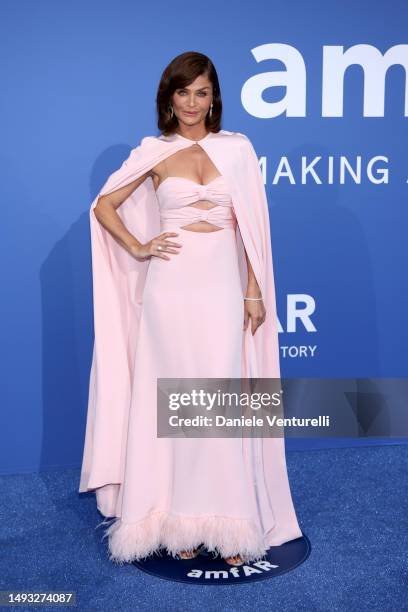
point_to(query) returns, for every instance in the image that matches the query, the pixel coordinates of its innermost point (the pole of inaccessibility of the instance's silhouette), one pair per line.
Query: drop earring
(210, 113)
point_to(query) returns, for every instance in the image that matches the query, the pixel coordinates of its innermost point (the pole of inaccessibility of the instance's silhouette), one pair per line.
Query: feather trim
(224, 536)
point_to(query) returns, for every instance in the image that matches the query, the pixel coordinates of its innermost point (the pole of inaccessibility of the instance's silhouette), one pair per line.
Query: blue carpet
(352, 503)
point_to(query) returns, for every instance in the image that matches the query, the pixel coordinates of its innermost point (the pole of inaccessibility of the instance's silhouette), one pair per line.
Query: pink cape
(118, 282)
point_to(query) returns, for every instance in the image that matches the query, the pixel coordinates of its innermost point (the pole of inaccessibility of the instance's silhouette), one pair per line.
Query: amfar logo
(299, 308)
(335, 63)
(244, 571)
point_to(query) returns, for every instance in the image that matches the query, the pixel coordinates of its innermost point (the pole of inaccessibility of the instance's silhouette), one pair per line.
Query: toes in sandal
(191, 554)
(235, 560)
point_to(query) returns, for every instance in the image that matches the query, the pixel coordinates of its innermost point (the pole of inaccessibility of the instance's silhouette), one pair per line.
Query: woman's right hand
(151, 247)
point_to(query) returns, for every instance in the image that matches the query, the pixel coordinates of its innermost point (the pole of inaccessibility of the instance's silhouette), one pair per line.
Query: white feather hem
(221, 535)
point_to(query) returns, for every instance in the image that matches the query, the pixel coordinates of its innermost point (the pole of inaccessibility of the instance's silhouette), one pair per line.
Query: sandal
(235, 560)
(185, 555)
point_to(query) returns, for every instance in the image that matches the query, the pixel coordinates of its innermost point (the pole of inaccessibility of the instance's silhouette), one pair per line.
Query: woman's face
(192, 103)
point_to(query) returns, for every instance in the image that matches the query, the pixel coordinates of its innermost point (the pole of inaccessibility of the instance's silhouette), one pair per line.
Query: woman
(183, 288)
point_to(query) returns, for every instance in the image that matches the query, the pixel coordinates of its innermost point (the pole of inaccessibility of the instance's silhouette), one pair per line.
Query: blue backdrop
(324, 86)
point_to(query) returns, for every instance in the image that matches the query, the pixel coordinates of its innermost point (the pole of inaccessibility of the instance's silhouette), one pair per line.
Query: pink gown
(180, 492)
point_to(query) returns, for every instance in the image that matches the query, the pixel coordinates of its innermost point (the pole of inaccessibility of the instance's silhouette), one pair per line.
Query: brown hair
(182, 71)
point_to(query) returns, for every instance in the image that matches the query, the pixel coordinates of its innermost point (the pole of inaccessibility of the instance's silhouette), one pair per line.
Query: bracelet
(255, 299)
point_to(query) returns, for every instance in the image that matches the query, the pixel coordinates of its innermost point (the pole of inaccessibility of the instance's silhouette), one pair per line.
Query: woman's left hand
(254, 310)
